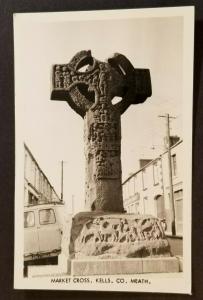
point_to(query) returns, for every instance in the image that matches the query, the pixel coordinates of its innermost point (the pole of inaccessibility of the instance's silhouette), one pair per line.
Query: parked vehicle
(43, 228)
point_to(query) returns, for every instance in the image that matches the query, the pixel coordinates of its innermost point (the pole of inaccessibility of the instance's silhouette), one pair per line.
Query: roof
(33, 158)
(41, 205)
(151, 162)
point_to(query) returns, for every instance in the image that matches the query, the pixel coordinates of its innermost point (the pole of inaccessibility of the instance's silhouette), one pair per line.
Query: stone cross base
(93, 267)
(125, 267)
(117, 236)
(112, 244)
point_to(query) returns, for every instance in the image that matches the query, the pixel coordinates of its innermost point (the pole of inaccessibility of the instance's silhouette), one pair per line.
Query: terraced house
(147, 191)
(37, 188)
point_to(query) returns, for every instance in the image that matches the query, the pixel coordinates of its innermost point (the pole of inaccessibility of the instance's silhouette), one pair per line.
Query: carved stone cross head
(84, 82)
(89, 86)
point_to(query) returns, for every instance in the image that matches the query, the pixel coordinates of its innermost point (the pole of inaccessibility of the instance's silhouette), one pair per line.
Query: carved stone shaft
(103, 165)
(90, 92)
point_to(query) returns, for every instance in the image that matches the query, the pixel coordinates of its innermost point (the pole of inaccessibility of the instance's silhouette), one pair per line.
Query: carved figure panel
(127, 236)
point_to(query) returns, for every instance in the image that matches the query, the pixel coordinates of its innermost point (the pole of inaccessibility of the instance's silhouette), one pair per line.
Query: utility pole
(62, 165)
(168, 147)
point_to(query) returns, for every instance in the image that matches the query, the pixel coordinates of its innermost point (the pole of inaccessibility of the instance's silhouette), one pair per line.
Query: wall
(37, 188)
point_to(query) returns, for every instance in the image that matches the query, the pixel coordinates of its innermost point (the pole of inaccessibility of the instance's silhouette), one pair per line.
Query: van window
(47, 216)
(29, 219)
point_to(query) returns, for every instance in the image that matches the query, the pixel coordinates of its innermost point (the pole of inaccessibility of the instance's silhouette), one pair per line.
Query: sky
(53, 131)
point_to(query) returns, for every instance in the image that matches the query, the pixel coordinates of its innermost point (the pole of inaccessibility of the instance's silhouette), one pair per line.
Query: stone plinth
(111, 236)
(127, 266)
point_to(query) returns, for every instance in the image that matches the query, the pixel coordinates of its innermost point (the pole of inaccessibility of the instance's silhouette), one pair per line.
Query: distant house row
(147, 191)
(37, 188)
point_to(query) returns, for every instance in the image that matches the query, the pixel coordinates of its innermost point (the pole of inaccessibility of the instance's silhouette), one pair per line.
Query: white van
(43, 228)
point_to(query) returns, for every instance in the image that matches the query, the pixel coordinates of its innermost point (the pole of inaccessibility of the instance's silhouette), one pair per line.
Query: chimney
(144, 162)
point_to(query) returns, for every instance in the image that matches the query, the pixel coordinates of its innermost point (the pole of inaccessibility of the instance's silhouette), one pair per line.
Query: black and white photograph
(103, 150)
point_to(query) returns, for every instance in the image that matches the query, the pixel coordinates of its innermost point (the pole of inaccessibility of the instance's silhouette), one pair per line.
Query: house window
(155, 173)
(174, 165)
(144, 179)
(145, 204)
(32, 199)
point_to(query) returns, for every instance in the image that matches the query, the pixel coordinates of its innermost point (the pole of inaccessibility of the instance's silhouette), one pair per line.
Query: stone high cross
(89, 86)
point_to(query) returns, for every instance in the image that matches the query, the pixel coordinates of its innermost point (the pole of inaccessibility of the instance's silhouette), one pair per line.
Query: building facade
(147, 191)
(37, 188)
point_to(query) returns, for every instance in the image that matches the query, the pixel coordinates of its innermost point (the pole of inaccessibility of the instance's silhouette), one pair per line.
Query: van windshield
(29, 219)
(47, 216)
